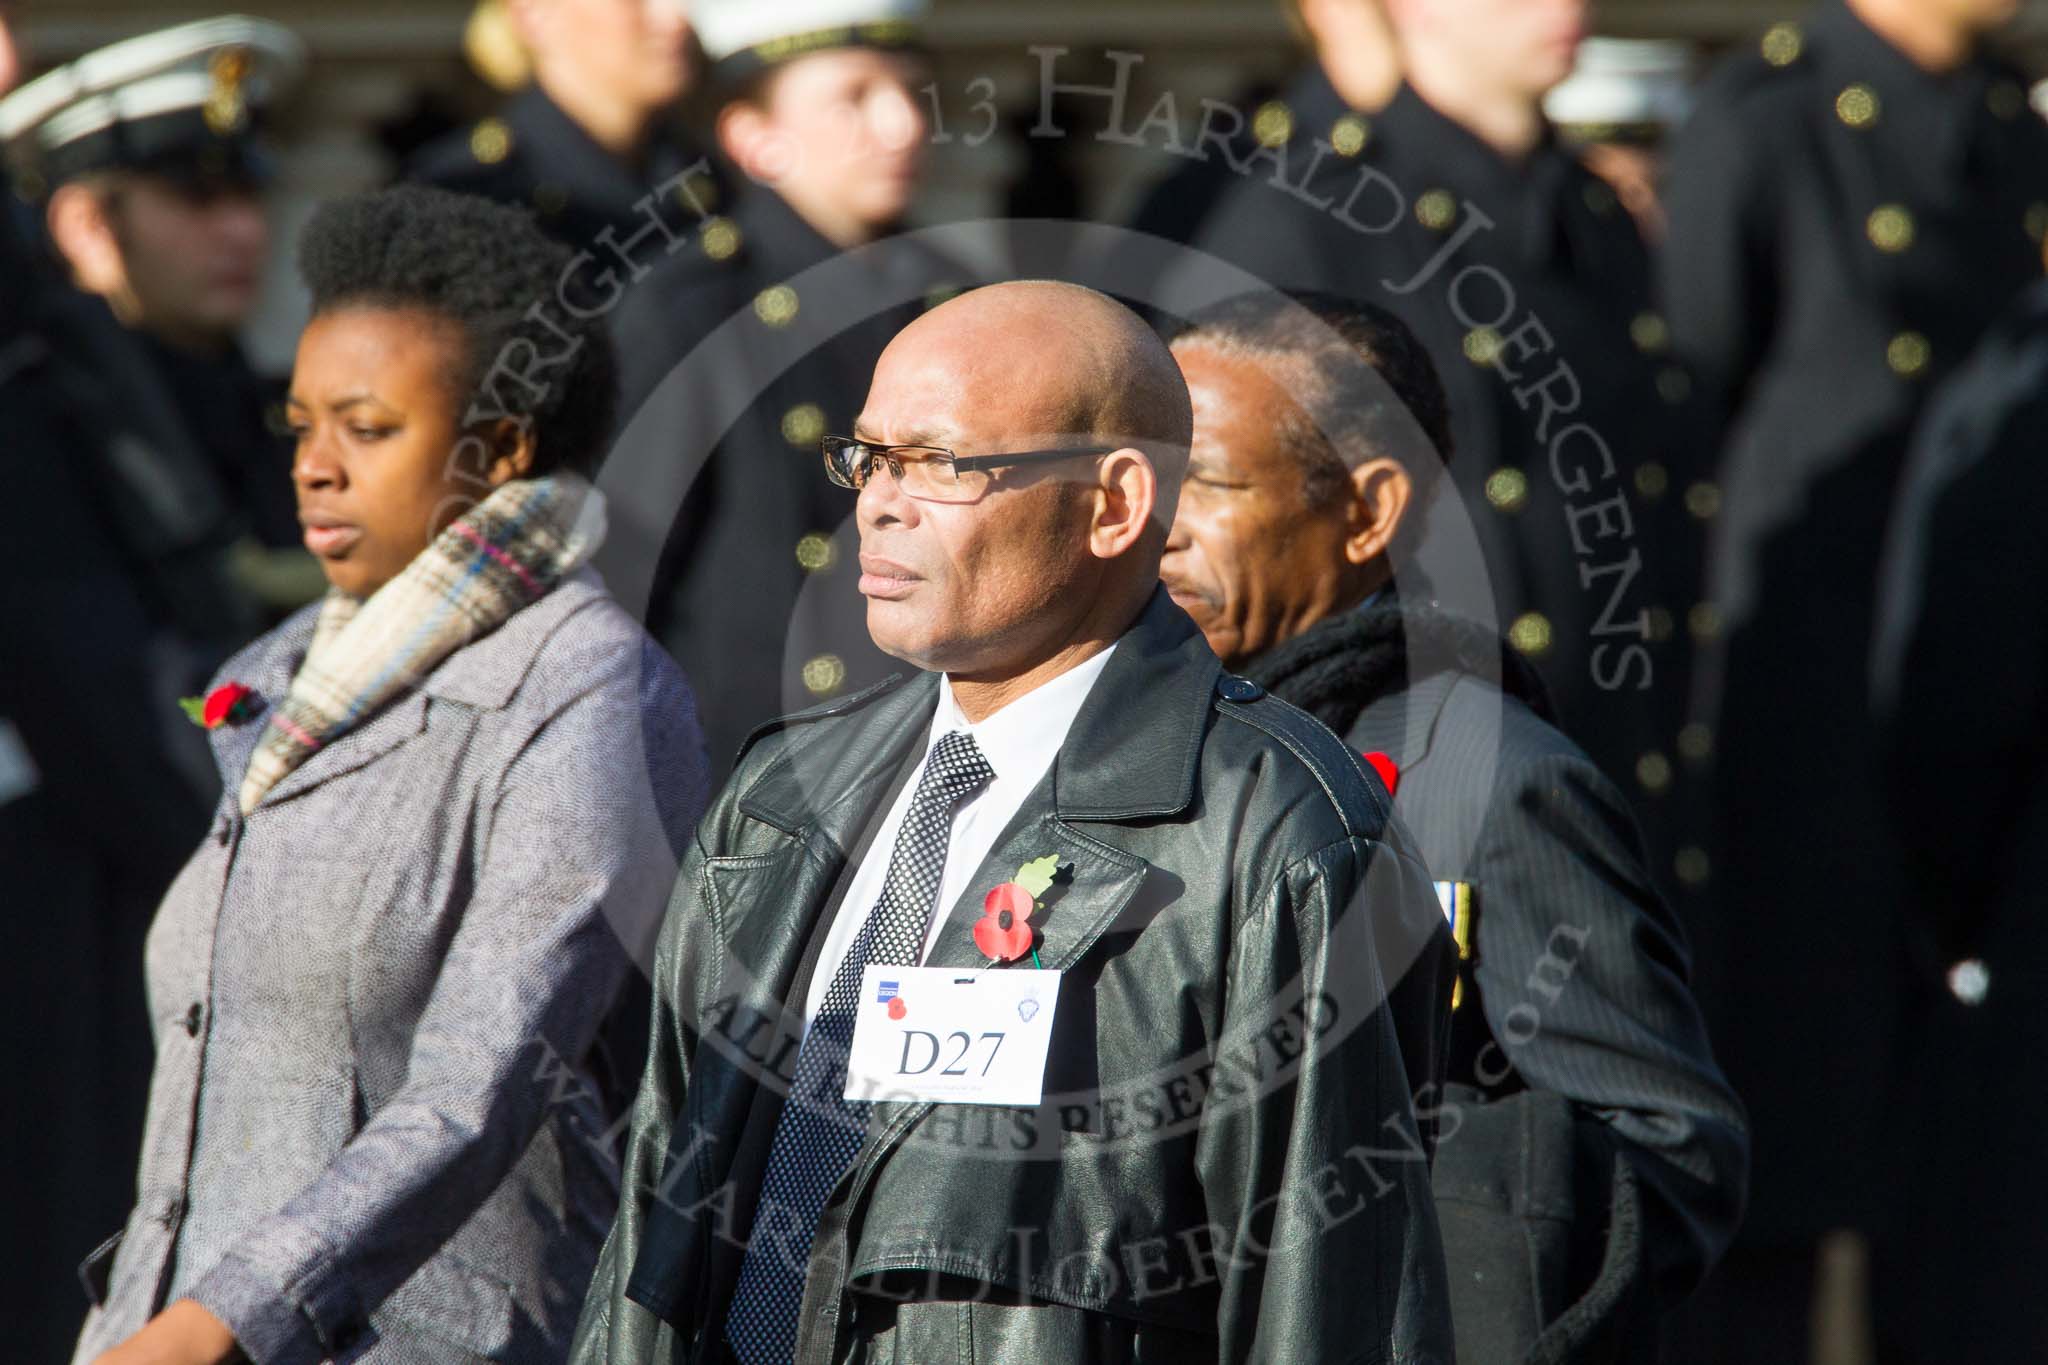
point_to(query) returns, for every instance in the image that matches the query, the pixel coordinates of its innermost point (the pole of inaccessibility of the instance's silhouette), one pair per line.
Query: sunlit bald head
(1052, 551)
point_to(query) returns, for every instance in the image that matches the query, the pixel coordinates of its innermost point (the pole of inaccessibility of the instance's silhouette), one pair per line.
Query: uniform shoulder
(473, 157)
(1316, 771)
(1766, 76)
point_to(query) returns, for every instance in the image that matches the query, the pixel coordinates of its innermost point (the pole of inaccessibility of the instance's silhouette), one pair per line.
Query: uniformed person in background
(752, 585)
(596, 127)
(1357, 69)
(116, 528)
(1960, 677)
(1852, 203)
(1618, 109)
(146, 158)
(1457, 207)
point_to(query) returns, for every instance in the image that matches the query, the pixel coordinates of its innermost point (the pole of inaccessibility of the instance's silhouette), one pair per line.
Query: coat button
(193, 1016)
(1530, 634)
(1230, 687)
(824, 675)
(1969, 981)
(816, 552)
(1507, 489)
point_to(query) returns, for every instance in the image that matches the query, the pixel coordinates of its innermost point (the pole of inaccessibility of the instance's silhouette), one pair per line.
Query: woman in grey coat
(380, 1127)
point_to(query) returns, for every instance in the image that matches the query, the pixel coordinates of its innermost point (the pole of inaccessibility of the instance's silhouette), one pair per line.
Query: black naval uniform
(1961, 671)
(533, 155)
(1592, 1159)
(113, 543)
(1588, 558)
(721, 513)
(1844, 226)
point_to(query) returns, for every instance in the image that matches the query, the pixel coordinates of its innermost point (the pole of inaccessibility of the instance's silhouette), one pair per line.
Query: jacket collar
(558, 149)
(1132, 752)
(485, 674)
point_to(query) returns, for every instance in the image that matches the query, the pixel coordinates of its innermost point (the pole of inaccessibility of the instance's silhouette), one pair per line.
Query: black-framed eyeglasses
(932, 473)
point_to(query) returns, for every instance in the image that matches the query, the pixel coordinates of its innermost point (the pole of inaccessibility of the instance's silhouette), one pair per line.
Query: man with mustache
(1077, 802)
(1597, 1164)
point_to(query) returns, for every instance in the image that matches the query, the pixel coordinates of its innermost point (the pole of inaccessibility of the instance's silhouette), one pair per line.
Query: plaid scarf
(505, 553)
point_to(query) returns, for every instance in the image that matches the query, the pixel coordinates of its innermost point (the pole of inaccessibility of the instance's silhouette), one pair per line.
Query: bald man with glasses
(1160, 913)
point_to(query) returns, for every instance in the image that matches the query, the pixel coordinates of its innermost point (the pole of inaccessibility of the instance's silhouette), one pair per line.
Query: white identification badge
(960, 1036)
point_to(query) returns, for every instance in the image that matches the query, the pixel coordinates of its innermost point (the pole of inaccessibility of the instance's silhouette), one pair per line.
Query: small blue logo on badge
(1027, 1009)
(885, 991)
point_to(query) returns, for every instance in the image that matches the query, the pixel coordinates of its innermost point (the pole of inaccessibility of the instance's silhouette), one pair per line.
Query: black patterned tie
(820, 1131)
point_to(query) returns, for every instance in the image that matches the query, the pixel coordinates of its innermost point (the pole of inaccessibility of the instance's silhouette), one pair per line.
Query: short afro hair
(491, 271)
(1363, 383)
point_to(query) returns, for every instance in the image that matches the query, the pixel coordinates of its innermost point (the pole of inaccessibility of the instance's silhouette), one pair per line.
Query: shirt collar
(1019, 740)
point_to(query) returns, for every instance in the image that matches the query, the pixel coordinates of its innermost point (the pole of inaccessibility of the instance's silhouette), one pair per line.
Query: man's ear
(1381, 494)
(1125, 495)
(510, 449)
(749, 142)
(82, 226)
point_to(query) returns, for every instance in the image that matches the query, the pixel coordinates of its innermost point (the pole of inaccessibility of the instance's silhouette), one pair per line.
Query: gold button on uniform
(1908, 354)
(1653, 770)
(1273, 124)
(1703, 500)
(1507, 489)
(1890, 228)
(1530, 633)
(804, 425)
(1696, 742)
(1691, 865)
(1783, 43)
(1857, 106)
(776, 305)
(824, 675)
(698, 192)
(1652, 479)
(1650, 333)
(1657, 621)
(1704, 621)
(816, 552)
(1348, 135)
(1482, 346)
(1436, 210)
(720, 238)
(490, 141)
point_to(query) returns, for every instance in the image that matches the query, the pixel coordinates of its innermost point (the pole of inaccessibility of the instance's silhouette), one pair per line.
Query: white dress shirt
(1018, 742)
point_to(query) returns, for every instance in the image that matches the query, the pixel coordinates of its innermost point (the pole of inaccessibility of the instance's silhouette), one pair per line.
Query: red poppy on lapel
(227, 704)
(1390, 774)
(1002, 933)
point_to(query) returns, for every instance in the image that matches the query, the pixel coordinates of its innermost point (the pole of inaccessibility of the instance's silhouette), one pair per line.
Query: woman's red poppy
(223, 704)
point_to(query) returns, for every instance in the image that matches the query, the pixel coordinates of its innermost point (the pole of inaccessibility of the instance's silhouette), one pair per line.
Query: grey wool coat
(378, 1129)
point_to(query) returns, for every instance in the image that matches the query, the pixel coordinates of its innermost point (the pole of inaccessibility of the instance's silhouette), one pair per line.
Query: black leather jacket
(1226, 1166)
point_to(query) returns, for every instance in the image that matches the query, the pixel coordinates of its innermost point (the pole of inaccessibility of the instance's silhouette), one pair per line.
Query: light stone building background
(374, 62)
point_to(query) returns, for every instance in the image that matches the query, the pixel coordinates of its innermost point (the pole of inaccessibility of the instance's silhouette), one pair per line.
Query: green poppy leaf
(1036, 875)
(194, 709)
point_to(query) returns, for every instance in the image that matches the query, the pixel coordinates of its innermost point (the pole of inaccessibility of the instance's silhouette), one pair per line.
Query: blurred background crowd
(1734, 305)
